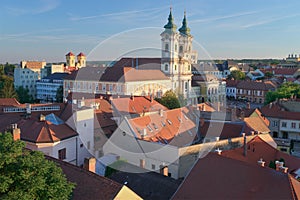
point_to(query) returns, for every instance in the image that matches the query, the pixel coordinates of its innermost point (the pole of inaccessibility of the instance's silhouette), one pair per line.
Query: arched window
(166, 67)
(175, 67)
(175, 47)
(180, 49)
(166, 47)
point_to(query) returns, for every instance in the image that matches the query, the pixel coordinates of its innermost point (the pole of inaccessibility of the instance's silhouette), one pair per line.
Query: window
(285, 135)
(175, 67)
(153, 167)
(274, 123)
(88, 145)
(283, 124)
(62, 154)
(293, 125)
(189, 67)
(175, 47)
(166, 47)
(275, 134)
(186, 85)
(180, 49)
(166, 67)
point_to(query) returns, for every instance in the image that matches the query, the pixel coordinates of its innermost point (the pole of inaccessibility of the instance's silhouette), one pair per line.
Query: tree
(59, 94)
(27, 174)
(8, 91)
(269, 74)
(169, 99)
(23, 95)
(286, 90)
(237, 75)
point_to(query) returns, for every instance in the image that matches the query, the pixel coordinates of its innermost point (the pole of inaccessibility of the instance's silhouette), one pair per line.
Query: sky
(106, 30)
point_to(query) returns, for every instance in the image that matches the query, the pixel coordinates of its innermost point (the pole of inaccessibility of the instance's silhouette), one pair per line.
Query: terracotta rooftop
(231, 83)
(127, 74)
(81, 54)
(224, 130)
(171, 127)
(34, 64)
(218, 177)
(281, 71)
(36, 131)
(9, 102)
(257, 85)
(70, 54)
(136, 105)
(89, 185)
(276, 111)
(257, 148)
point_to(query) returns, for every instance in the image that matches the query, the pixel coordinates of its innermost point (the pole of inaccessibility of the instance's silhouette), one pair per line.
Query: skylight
(169, 121)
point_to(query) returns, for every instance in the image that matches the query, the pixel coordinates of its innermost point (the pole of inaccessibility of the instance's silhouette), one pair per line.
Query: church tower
(70, 58)
(81, 60)
(177, 55)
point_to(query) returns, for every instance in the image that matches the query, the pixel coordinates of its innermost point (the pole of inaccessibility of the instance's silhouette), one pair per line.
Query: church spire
(170, 25)
(184, 29)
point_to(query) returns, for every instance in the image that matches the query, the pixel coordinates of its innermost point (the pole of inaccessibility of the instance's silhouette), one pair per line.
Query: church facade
(144, 76)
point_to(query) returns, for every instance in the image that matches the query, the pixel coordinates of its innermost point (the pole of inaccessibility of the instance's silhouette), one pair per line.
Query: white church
(144, 76)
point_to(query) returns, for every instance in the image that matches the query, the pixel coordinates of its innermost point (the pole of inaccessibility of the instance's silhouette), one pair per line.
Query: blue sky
(48, 29)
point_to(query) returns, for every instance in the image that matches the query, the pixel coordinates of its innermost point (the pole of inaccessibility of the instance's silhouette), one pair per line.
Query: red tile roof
(224, 130)
(136, 105)
(34, 64)
(44, 131)
(9, 102)
(281, 71)
(257, 149)
(172, 127)
(257, 85)
(231, 83)
(70, 54)
(206, 107)
(89, 186)
(218, 177)
(81, 54)
(274, 110)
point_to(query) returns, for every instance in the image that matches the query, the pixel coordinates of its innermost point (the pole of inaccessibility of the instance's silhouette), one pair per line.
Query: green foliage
(7, 89)
(272, 164)
(237, 75)
(286, 90)
(23, 95)
(169, 99)
(269, 74)
(28, 175)
(59, 94)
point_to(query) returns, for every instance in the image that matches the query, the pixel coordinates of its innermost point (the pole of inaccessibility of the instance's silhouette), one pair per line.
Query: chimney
(28, 108)
(151, 98)
(16, 132)
(90, 164)
(261, 162)
(283, 169)
(132, 97)
(101, 97)
(270, 105)
(144, 133)
(248, 105)
(164, 170)
(245, 144)
(42, 118)
(161, 112)
(278, 165)
(219, 151)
